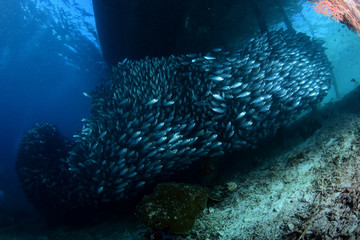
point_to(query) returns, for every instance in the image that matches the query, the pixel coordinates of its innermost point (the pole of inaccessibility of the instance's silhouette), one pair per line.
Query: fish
(218, 97)
(152, 101)
(244, 94)
(207, 57)
(240, 115)
(217, 78)
(236, 85)
(158, 115)
(218, 110)
(100, 189)
(87, 95)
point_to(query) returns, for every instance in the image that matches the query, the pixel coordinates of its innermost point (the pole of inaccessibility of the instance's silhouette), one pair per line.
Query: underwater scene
(179, 120)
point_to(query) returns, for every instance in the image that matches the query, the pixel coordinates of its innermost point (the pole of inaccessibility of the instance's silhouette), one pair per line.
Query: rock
(172, 207)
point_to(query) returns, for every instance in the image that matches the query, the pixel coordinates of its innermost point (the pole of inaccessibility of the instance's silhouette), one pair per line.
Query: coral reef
(344, 11)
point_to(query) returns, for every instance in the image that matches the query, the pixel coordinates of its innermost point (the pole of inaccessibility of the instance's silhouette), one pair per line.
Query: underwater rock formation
(158, 115)
(172, 207)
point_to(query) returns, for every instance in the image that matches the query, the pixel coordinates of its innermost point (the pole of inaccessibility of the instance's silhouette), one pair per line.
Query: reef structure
(158, 115)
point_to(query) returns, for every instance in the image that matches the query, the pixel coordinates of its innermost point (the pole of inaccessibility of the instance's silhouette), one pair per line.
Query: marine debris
(158, 115)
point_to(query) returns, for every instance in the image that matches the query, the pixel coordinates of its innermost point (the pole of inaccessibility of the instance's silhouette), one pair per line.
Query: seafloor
(305, 187)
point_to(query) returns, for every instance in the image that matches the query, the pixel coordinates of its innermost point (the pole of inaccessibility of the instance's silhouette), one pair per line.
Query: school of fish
(158, 115)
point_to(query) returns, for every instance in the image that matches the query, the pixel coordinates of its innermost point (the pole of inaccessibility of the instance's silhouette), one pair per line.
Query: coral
(345, 11)
(172, 207)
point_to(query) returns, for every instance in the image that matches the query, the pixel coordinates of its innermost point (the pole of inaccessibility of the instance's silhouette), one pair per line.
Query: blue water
(49, 55)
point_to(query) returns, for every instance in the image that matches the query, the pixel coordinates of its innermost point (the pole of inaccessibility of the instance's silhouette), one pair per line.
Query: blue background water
(50, 54)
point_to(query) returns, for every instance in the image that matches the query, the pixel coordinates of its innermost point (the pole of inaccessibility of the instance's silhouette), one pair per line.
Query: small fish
(102, 135)
(152, 101)
(218, 97)
(126, 100)
(313, 94)
(219, 71)
(244, 94)
(257, 100)
(100, 189)
(123, 61)
(225, 88)
(136, 134)
(87, 95)
(218, 154)
(151, 154)
(123, 172)
(174, 138)
(207, 57)
(231, 59)
(218, 110)
(236, 85)
(241, 115)
(122, 137)
(247, 124)
(225, 75)
(168, 103)
(232, 132)
(265, 108)
(140, 184)
(159, 126)
(192, 55)
(136, 141)
(217, 78)
(213, 137)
